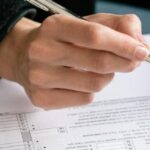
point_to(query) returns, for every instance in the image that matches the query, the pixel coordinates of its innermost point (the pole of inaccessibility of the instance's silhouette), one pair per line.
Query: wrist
(12, 46)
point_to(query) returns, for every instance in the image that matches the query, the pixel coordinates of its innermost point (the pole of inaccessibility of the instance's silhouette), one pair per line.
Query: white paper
(118, 119)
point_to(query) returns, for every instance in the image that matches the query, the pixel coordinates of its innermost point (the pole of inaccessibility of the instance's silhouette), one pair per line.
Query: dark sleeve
(11, 11)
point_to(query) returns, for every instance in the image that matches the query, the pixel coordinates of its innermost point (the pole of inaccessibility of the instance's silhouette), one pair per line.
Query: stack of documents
(118, 119)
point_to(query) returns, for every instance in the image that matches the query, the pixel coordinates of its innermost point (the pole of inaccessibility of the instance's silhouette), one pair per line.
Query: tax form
(118, 119)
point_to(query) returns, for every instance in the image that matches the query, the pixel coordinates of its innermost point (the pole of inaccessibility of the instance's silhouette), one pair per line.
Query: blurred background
(85, 7)
(139, 7)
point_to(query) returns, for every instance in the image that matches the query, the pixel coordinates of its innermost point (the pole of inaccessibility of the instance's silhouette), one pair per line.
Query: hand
(64, 61)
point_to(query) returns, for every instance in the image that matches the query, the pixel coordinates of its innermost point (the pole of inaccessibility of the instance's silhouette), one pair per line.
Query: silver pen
(53, 7)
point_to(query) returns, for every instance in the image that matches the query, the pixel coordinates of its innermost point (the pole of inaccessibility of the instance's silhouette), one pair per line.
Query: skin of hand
(64, 61)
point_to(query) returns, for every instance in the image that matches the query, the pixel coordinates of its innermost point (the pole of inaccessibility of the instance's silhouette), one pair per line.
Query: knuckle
(93, 33)
(95, 83)
(50, 25)
(131, 17)
(39, 98)
(37, 102)
(49, 21)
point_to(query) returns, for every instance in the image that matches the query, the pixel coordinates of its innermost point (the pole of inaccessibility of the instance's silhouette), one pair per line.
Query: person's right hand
(65, 60)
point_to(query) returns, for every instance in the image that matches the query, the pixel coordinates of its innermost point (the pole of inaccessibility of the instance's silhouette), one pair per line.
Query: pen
(53, 7)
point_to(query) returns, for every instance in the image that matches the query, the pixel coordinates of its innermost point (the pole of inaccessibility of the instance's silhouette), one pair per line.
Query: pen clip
(38, 4)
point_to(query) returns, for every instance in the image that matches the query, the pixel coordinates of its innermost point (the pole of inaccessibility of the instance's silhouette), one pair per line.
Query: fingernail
(141, 53)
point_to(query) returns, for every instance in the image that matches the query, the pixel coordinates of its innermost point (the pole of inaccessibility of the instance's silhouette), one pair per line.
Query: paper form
(118, 119)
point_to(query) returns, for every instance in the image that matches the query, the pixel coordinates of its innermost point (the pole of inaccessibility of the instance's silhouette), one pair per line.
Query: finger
(99, 37)
(57, 98)
(131, 25)
(84, 59)
(70, 79)
(95, 61)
